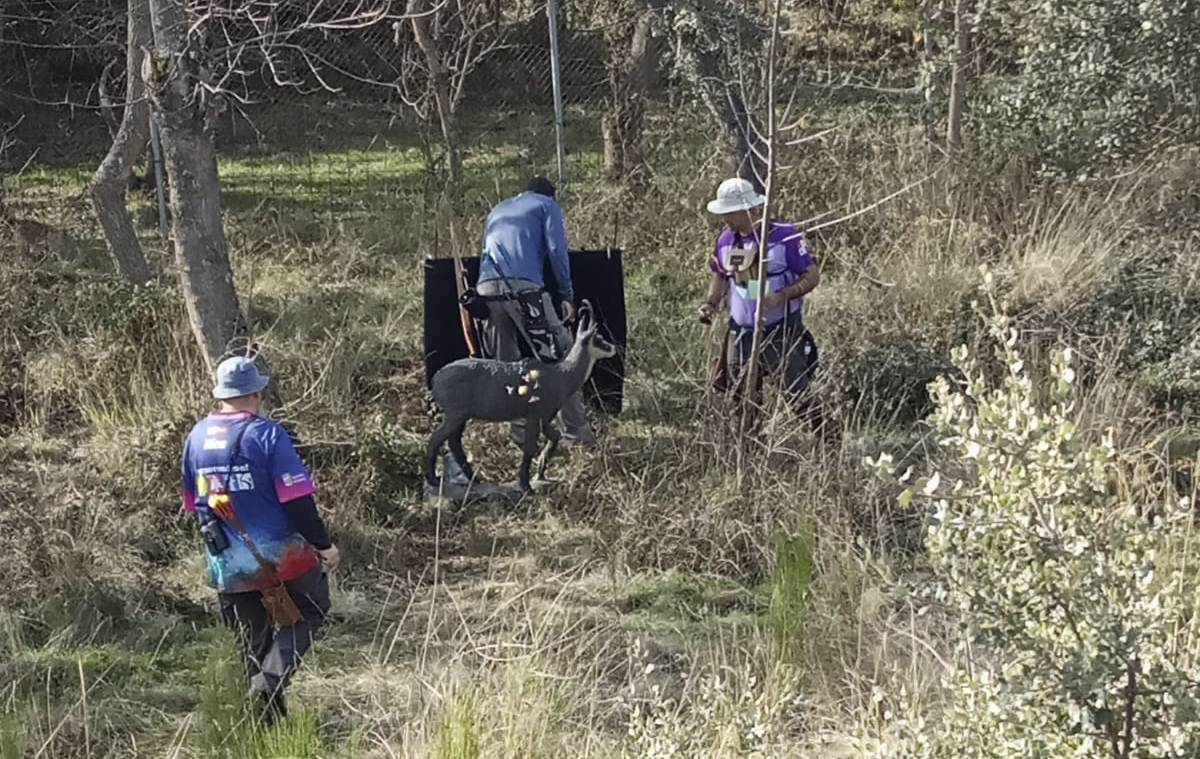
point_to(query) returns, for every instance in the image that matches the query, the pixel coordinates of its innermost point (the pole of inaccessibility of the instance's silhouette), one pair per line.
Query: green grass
(41, 183)
(139, 686)
(790, 584)
(456, 736)
(10, 740)
(368, 181)
(677, 599)
(229, 724)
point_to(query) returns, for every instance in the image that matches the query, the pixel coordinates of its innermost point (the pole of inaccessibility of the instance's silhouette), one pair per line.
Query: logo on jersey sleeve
(289, 479)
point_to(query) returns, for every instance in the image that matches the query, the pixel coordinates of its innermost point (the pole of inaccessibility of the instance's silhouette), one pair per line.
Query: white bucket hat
(735, 195)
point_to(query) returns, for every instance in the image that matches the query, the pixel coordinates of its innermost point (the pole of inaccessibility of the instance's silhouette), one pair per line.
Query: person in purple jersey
(791, 273)
(238, 463)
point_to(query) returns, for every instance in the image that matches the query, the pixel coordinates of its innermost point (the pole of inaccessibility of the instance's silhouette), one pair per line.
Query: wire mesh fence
(316, 118)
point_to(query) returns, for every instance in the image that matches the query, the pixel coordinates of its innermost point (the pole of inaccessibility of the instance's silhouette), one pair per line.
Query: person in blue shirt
(253, 498)
(521, 234)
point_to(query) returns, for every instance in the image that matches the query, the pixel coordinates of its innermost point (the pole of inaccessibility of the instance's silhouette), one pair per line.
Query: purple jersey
(262, 474)
(787, 258)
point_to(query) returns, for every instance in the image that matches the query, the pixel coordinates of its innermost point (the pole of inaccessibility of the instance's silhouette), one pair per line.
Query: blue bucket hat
(238, 376)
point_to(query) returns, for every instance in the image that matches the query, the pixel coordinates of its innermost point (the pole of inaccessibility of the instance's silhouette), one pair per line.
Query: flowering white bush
(1077, 603)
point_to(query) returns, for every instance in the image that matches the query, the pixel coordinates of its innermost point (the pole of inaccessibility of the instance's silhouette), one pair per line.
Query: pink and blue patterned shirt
(264, 473)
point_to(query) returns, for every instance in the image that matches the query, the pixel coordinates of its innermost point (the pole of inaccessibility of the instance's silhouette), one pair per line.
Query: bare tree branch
(881, 201)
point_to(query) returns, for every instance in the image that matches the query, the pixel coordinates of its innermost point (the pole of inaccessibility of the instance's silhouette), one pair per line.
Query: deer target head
(589, 334)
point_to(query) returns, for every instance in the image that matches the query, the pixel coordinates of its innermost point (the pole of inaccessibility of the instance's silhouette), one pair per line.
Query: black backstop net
(598, 277)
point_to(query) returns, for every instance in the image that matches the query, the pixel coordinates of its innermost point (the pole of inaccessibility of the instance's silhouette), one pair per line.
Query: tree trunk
(614, 152)
(442, 98)
(5, 144)
(746, 135)
(743, 131)
(927, 68)
(621, 126)
(958, 75)
(111, 180)
(191, 162)
(629, 78)
(106, 104)
(702, 70)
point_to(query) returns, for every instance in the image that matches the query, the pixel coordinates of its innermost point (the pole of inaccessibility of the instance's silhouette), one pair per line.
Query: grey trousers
(501, 342)
(271, 655)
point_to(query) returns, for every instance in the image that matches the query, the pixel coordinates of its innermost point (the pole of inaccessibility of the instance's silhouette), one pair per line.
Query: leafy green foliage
(1097, 82)
(1150, 304)
(394, 458)
(1076, 600)
(1175, 381)
(894, 378)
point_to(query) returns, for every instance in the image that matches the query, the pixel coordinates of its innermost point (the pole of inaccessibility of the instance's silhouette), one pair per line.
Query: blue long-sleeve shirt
(520, 234)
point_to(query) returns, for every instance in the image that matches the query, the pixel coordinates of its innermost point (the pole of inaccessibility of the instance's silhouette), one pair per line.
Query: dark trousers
(272, 655)
(785, 355)
(501, 342)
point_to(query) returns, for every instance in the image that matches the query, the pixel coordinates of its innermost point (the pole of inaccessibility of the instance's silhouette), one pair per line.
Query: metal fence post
(156, 151)
(552, 19)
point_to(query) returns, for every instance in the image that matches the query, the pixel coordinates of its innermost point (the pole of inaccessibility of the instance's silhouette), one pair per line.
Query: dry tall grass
(688, 594)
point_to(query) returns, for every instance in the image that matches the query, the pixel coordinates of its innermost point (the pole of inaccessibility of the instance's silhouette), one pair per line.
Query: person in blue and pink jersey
(791, 273)
(235, 460)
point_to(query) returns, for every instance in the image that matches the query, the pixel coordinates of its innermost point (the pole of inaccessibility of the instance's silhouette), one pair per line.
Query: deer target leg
(456, 447)
(438, 437)
(553, 436)
(528, 451)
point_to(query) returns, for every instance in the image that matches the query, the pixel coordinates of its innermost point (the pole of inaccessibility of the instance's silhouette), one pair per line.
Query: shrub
(1077, 610)
(1174, 382)
(394, 459)
(1127, 81)
(893, 379)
